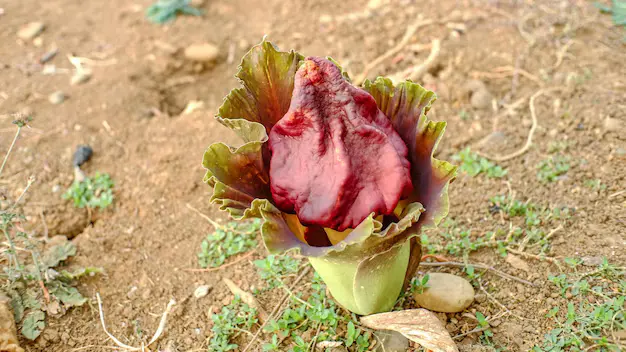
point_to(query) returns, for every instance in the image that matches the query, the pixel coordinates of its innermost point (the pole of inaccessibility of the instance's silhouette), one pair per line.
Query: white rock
(446, 293)
(201, 291)
(57, 97)
(30, 30)
(202, 52)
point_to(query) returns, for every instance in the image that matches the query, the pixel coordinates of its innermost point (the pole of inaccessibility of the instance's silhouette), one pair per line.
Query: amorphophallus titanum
(343, 174)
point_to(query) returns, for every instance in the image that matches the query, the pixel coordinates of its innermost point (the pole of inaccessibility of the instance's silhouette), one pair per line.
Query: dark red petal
(316, 236)
(335, 156)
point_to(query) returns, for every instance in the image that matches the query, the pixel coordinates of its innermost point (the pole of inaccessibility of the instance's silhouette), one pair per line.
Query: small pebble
(202, 52)
(446, 293)
(57, 97)
(481, 99)
(30, 30)
(201, 291)
(614, 125)
(82, 154)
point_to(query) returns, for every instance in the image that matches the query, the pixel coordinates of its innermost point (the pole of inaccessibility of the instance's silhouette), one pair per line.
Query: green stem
(6, 157)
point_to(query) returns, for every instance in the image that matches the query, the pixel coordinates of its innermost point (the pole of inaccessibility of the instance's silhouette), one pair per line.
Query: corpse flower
(345, 175)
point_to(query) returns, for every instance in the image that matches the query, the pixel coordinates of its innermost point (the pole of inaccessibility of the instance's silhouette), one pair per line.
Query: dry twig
(155, 337)
(529, 139)
(415, 72)
(410, 31)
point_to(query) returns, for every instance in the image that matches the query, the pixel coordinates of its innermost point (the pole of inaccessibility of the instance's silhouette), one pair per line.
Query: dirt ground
(130, 112)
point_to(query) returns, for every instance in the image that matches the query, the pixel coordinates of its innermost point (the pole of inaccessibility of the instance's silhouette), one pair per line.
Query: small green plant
(231, 321)
(588, 323)
(484, 324)
(419, 285)
(91, 193)
(274, 268)
(550, 169)
(163, 11)
(595, 184)
(473, 164)
(34, 278)
(233, 238)
(617, 11)
(557, 147)
(528, 222)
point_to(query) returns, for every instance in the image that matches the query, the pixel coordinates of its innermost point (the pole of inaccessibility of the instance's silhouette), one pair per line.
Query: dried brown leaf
(419, 325)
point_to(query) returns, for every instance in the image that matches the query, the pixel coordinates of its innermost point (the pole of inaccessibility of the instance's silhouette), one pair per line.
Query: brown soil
(130, 113)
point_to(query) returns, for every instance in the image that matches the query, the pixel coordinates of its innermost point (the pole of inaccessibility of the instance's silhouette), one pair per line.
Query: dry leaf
(247, 298)
(8, 332)
(328, 344)
(419, 325)
(517, 262)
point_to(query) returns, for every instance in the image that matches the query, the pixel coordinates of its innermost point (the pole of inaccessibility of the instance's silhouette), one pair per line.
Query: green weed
(235, 318)
(473, 164)
(595, 184)
(274, 268)
(590, 322)
(91, 193)
(34, 278)
(163, 11)
(549, 170)
(233, 238)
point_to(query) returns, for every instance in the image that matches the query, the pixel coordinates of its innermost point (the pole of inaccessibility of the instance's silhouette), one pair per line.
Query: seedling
(484, 324)
(590, 322)
(164, 11)
(91, 193)
(549, 170)
(231, 321)
(473, 164)
(227, 241)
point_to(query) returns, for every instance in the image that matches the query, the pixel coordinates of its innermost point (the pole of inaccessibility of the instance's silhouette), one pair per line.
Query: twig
(617, 193)
(157, 334)
(205, 270)
(211, 221)
(529, 139)
(561, 54)
(481, 266)
(277, 308)
(410, 30)
(31, 180)
(317, 333)
(415, 72)
(6, 157)
(471, 332)
(537, 257)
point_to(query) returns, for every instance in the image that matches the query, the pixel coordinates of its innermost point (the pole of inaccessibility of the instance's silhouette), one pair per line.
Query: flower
(345, 175)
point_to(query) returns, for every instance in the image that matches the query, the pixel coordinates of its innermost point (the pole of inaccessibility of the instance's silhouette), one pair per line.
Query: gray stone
(391, 341)
(446, 293)
(30, 30)
(205, 52)
(481, 99)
